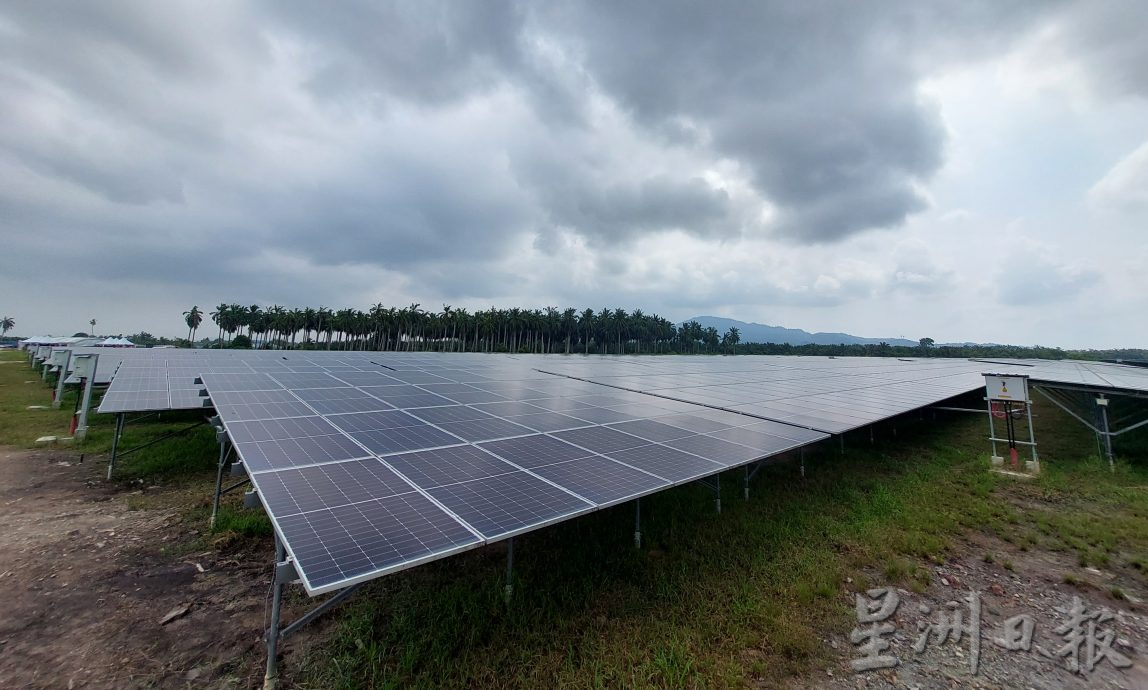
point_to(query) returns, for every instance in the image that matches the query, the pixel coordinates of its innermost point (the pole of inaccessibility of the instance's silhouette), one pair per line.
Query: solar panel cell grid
(291, 491)
(600, 439)
(431, 468)
(374, 421)
(263, 456)
(601, 480)
(548, 421)
(402, 439)
(534, 451)
(499, 506)
(667, 463)
(485, 429)
(333, 547)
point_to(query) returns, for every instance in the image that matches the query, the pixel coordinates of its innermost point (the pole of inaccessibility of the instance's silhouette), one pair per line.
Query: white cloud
(1125, 186)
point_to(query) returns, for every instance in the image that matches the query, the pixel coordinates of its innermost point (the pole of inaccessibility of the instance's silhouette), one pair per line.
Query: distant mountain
(761, 333)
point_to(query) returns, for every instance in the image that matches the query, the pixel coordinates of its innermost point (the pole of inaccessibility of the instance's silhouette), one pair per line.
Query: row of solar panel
(358, 494)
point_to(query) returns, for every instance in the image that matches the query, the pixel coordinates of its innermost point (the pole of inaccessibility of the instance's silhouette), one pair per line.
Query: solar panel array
(372, 462)
(369, 472)
(157, 380)
(827, 394)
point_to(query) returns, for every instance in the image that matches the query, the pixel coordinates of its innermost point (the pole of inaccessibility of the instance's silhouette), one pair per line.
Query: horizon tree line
(412, 328)
(547, 330)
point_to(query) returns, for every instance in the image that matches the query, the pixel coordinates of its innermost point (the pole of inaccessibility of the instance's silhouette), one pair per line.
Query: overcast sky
(964, 171)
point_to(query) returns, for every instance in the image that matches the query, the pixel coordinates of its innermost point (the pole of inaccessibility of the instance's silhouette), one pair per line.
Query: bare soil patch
(86, 575)
(1015, 582)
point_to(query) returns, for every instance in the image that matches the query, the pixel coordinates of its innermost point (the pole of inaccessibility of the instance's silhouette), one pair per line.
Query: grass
(711, 600)
(20, 388)
(180, 457)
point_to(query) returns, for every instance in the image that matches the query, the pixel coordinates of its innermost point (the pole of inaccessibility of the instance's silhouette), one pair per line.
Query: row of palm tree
(609, 331)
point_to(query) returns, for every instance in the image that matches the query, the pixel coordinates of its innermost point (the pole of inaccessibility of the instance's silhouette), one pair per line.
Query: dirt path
(84, 583)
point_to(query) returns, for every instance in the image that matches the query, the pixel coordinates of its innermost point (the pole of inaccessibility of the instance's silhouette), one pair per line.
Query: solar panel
(599, 439)
(601, 479)
(337, 547)
(432, 468)
(535, 451)
(548, 421)
(503, 505)
(667, 462)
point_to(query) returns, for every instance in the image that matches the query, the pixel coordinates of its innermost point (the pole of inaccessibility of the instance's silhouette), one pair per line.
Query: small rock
(177, 612)
(997, 589)
(945, 581)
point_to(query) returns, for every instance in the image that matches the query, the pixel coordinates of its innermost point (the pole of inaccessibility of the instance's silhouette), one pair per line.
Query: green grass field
(710, 600)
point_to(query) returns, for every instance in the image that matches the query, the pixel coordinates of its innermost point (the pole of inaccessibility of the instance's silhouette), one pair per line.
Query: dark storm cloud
(819, 100)
(399, 217)
(431, 51)
(189, 142)
(1109, 38)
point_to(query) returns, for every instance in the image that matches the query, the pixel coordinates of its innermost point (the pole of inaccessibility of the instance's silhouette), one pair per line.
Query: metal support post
(56, 399)
(637, 523)
(1102, 402)
(82, 424)
(272, 637)
(318, 611)
(1035, 467)
(508, 589)
(993, 435)
(223, 449)
(119, 454)
(115, 443)
(803, 462)
(841, 438)
(871, 439)
(747, 482)
(717, 493)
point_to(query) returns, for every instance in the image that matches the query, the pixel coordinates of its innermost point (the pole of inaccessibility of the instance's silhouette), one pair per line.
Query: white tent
(57, 341)
(116, 342)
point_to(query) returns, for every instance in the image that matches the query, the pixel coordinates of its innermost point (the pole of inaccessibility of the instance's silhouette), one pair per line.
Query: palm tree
(587, 323)
(7, 324)
(92, 323)
(619, 321)
(731, 338)
(219, 316)
(192, 317)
